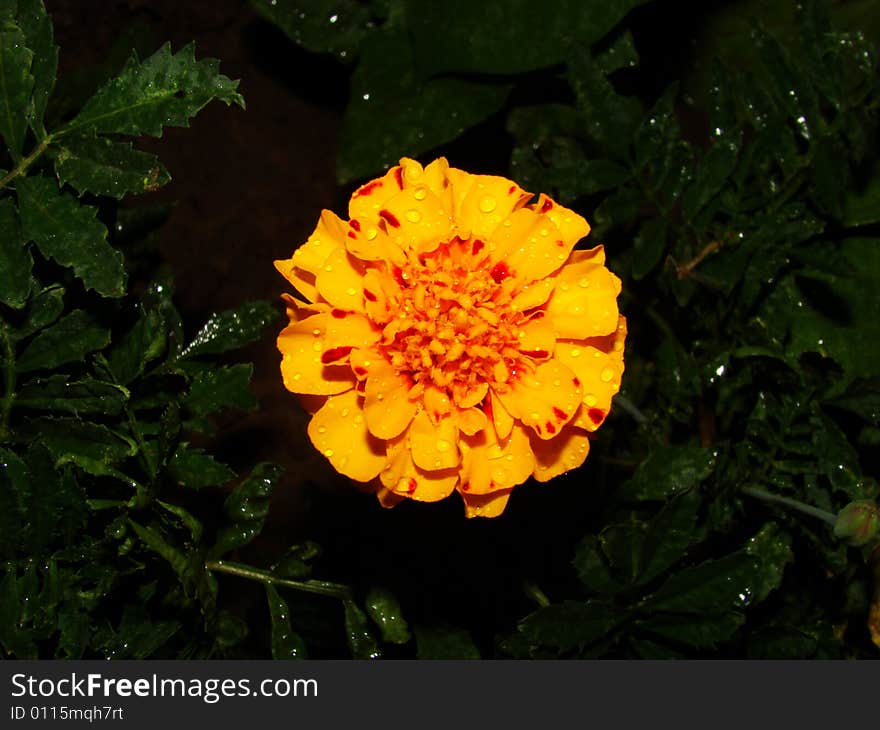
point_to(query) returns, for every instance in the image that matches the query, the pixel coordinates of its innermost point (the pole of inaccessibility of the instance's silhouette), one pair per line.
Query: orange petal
(599, 374)
(387, 407)
(572, 227)
(415, 218)
(537, 338)
(369, 198)
(486, 505)
(533, 294)
(403, 477)
(338, 430)
(341, 281)
(546, 399)
(301, 345)
(489, 464)
(489, 200)
(471, 420)
(560, 454)
(434, 447)
(437, 403)
(350, 329)
(584, 302)
(367, 241)
(501, 418)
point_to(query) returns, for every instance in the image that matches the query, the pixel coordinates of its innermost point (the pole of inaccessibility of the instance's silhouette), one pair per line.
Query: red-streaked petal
(388, 410)
(544, 400)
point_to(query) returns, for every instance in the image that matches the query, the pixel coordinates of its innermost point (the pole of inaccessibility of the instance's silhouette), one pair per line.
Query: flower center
(455, 327)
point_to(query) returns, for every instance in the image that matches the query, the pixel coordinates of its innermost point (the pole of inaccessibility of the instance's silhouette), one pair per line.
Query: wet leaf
(361, 641)
(296, 561)
(384, 608)
(70, 438)
(15, 259)
(16, 83)
(231, 329)
(69, 233)
(286, 643)
(568, 626)
(669, 470)
(15, 482)
(142, 344)
(105, 167)
(37, 28)
(703, 632)
(246, 507)
(215, 388)
(164, 90)
(62, 394)
(42, 310)
(648, 247)
(193, 468)
(69, 340)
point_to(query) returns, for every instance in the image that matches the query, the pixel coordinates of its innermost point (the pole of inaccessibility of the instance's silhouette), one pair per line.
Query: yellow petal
(328, 235)
(537, 338)
(471, 420)
(562, 453)
(350, 329)
(434, 447)
(387, 408)
(403, 477)
(302, 280)
(437, 403)
(501, 418)
(341, 281)
(488, 201)
(367, 241)
(533, 294)
(302, 345)
(489, 464)
(599, 373)
(369, 198)
(415, 218)
(338, 430)
(572, 227)
(584, 302)
(486, 505)
(530, 245)
(546, 399)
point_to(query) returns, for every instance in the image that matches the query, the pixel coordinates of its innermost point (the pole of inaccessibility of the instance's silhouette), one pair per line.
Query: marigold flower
(454, 338)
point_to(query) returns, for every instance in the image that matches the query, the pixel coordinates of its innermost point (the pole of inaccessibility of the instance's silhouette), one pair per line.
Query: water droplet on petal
(413, 216)
(420, 193)
(606, 375)
(443, 445)
(328, 453)
(590, 399)
(372, 233)
(487, 204)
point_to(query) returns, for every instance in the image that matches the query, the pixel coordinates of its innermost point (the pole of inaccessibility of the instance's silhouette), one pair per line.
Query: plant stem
(8, 380)
(630, 408)
(535, 593)
(22, 166)
(793, 503)
(319, 587)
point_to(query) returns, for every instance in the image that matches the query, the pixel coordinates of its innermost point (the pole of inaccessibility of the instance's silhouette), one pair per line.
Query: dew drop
(575, 353)
(443, 445)
(487, 204)
(344, 412)
(317, 345)
(316, 332)
(372, 233)
(584, 282)
(328, 453)
(606, 375)
(590, 399)
(420, 193)
(322, 429)
(413, 216)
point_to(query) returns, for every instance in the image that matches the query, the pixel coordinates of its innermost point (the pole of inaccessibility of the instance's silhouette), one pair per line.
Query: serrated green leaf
(15, 259)
(164, 90)
(159, 545)
(37, 28)
(215, 387)
(16, 83)
(69, 233)
(703, 631)
(568, 626)
(592, 567)
(231, 329)
(193, 468)
(390, 115)
(286, 643)
(195, 527)
(295, 563)
(669, 470)
(246, 507)
(70, 438)
(60, 393)
(712, 585)
(772, 548)
(713, 170)
(142, 344)
(506, 38)
(42, 310)
(106, 167)
(69, 340)
(669, 535)
(361, 642)
(384, 608)
(444, 642)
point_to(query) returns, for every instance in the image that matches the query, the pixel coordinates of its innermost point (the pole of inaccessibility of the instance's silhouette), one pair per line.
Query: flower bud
(858, 523)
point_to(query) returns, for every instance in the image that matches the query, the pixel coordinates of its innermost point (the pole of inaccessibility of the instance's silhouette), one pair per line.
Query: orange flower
(455, 339)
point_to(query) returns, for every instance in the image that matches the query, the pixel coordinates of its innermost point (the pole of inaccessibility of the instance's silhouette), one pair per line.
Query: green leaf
(286, 643)
(142, 344)
(15, 259)
(59, 393)
(164, 90)
(384, 608)
(37, 27)
(714, 168)
(648, 247)
(13, 637)
(568, 626)
(246, 507)
(193, 468)
(43, 309)
(215, 388)
(295, 563)
(593, 569)
(68, 232)
(105, 167)
(361, 641)
(15, 482)
(231, 329)
(669, 470)
(444, 642)
(316, 25)
(771, 547)
(159, 545)
(69, 438)
(506, 38)
(703, 631)
(139, 636)
(669, 535)
(390, 115)
(16, 83)
(69, 340)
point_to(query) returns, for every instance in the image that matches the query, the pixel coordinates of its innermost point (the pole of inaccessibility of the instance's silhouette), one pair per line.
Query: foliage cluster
(738, 198)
